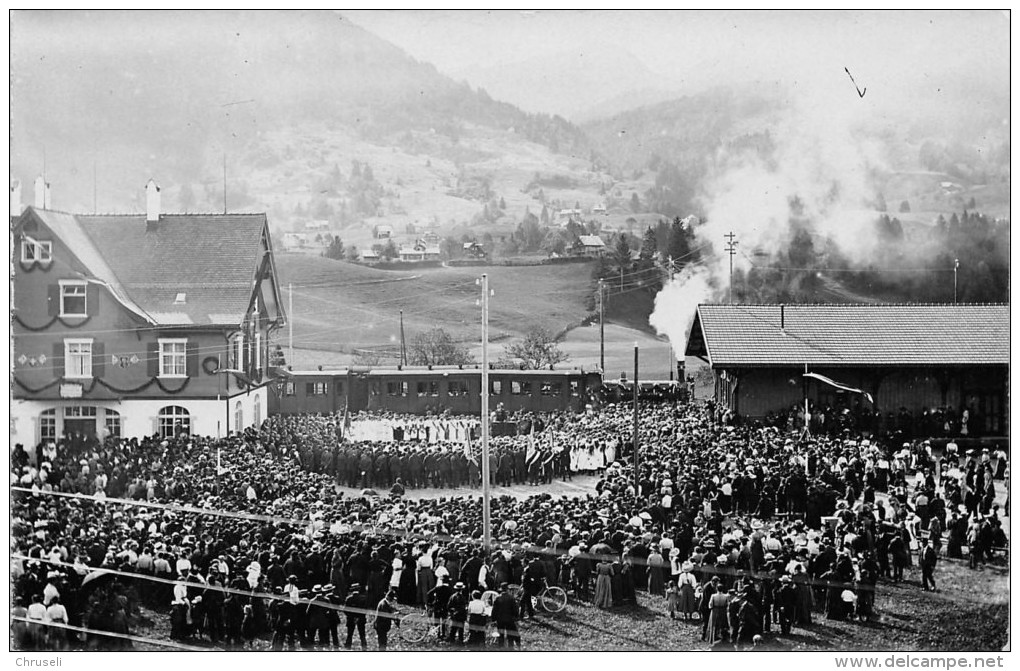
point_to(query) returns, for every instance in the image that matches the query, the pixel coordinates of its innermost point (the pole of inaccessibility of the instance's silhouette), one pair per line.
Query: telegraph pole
(602, 327)
(486, 517)
(731, 248)
(637, 474)
(669, 279)
(290, 323)
(956, 270)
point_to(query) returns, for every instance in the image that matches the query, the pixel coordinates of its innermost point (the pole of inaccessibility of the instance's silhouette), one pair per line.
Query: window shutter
(152, 358)
(192, 359)
(246, 367)
(53, 302)
(98, 358)
(58, 359)
(92, 292)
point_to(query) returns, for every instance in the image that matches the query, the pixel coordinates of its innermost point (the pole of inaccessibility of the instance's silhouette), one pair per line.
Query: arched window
(258, 412)
(238, 417)
(173, 421)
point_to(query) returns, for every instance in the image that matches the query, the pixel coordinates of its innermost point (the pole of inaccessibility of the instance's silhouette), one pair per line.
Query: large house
(141, 324)
(904, 358)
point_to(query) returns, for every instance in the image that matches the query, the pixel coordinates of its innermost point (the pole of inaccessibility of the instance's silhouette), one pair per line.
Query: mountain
(182, 98)
(573, 84)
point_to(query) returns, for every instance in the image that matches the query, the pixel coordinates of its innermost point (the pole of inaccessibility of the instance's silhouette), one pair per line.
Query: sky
(696, 48)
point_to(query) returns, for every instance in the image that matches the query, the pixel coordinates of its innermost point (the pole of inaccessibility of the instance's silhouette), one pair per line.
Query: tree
(621, 254)
(649, 246)
(905, 206)
(389, 250)
(352, 253)
(435, 347)
(635, 203)
(538, 349)
(335, 250)
(545, 216)
(679, 246)
(502, 203)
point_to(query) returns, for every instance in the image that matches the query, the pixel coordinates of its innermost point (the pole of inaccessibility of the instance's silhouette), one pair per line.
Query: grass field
(340, 307)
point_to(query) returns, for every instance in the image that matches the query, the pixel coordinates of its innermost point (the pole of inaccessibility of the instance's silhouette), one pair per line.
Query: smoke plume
(677, 302)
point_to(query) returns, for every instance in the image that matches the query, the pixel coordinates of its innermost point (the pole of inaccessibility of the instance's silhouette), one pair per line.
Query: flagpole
(807, 429)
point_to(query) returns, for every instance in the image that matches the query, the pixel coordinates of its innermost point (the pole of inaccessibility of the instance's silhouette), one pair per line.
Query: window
(288, 388)
(173, 357)
(79, 411)
(173, 420)
(428, 388)
(458, 388)
(238, 416)
(72, 299)
(373, 388)
(552, 389)
(36, 250)
(236, 357)
(78, 358)
(518, 388)
(315, 389)
(257, 405)
(495, 387)
(575, 388)
(112, 423)
(48, 426)
(396, 389)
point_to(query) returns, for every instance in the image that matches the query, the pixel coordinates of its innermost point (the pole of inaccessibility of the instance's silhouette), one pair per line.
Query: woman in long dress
(656, 567)
(717, 616)
(687, 583)
(604, 585)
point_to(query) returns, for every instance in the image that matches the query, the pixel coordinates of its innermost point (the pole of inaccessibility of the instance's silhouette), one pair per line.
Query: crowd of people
(251, 541)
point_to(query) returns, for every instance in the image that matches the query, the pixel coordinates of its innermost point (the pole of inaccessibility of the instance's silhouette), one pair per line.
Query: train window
(518, 388)
(396, 389)
(575, 388)
(552, 389)
(495, 387)
(458, 388)
(428, 388)
(288, 388)
(315, 389)
(373, 388)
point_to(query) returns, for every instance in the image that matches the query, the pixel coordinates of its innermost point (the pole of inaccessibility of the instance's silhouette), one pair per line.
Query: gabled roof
(591, 241)
(850, 335)
(211, 258)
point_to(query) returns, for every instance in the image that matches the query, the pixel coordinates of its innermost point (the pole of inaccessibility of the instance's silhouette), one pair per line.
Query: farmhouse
(474, 250)
(141, 324)
(908, 358)
(383, 231)
(591, 245)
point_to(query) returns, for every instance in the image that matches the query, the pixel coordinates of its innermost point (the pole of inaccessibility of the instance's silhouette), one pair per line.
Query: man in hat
(384, 616)
(354, 608)
(504, 614)
(929, 558)
(457, 606)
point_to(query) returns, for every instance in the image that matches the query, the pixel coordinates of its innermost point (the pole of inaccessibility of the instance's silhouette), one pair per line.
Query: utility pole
(956, 270)
(637, 473)
(403, 346)
(731, 247)
(669, 279)
(602, 327)
(486, 520)
(290, 323)
(95, 190)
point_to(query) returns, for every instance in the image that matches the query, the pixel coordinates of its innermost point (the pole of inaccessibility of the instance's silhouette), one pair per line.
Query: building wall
(138, 417)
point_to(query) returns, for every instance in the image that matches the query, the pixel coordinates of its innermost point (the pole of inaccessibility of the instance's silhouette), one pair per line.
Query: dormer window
(73, 298)
(181, 299)
(33, 251)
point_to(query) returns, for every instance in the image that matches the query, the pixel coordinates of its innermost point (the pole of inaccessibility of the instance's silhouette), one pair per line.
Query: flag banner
(347, 418)
(837, 385)
(531, 443)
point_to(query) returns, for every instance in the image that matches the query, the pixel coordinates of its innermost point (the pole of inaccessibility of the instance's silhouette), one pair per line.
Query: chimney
(782, 318)
(151, 202)
(40, 193)
(46, 197)
(16, 198)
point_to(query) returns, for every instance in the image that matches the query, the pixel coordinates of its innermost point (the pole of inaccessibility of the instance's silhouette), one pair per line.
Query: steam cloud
(677, 302)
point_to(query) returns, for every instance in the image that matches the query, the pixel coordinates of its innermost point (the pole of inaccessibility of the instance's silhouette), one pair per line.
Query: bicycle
(551, 599)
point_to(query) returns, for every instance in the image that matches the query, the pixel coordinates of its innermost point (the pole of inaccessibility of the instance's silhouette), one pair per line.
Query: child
(672, 599)
(248, 626)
